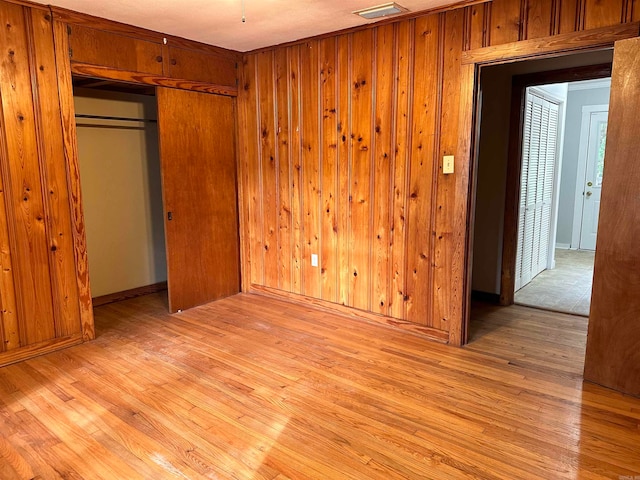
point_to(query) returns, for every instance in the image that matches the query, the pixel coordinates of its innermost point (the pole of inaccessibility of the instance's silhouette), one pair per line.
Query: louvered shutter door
(526, 141)
(540, 136)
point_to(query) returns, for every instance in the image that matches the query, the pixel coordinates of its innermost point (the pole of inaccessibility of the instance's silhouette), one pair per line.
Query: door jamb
(472, 61)
(514, 162)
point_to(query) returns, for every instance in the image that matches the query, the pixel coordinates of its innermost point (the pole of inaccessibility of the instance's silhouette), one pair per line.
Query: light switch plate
(447, 164)
(314, 260)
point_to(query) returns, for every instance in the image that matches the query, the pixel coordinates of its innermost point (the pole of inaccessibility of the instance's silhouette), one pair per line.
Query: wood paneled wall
(341, 165)
(38, 289)
(341, 144)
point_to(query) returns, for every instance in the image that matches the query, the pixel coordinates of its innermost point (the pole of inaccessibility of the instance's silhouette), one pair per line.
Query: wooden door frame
(472, 63)
(520, 83)
(65, 70)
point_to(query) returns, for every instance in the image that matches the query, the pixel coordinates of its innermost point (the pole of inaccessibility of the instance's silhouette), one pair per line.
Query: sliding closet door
(197, 158)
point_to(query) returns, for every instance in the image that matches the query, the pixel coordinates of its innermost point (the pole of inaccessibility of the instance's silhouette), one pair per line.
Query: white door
(540, 137)
(597, 138)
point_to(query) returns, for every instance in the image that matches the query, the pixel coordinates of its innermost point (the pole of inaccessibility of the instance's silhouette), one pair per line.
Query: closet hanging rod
(123, 119)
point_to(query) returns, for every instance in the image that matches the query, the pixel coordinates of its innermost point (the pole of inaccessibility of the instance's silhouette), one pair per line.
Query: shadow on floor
(543, 341)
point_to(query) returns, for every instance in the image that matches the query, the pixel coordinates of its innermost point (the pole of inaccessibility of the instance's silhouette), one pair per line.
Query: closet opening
(120, 176)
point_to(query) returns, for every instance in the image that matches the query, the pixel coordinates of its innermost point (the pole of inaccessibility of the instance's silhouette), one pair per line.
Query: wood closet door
(613, 342)
(197, 157)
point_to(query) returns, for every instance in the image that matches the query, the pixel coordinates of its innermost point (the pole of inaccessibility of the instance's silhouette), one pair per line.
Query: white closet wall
(121, 190)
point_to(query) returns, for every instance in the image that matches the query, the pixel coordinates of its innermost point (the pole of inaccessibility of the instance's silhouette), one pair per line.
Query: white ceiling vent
(384, 10)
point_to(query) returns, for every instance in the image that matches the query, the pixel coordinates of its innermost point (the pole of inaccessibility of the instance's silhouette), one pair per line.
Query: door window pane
(602, 140)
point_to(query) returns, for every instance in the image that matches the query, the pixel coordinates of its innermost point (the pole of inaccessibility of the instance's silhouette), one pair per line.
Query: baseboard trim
(433, 334)
(132, 293)
(37, 349)
(563, 246)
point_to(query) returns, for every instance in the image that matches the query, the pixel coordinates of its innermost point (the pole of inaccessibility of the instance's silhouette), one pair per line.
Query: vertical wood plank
(31, 265)
(244, 140)
(403, 121)
(67, 116)
(635, 10)
(344, 167)
(476, 18)
(555, 26)
(461, 235)
(540, 18)
(361, 154)
(9, 328)
(505, 21)
(329, 213)
(569, 13)
(425, 106)
(269, 170)
(627, 11)
(311, 146)
(599, 13)
(443, 260)
(384, 132)
(285, 230)
(54, 176)
(251, 178)
(295, 159)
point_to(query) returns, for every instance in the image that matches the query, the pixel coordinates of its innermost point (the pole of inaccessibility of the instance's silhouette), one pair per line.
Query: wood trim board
(93, 71)
(131, 293)
(563, 43)
(36, 349)
(410, 327)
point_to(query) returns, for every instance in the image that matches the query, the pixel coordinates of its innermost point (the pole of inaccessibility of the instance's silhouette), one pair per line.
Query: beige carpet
(566, 288)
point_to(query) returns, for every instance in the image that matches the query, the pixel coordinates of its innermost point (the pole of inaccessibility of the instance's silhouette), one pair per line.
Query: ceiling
(219, 22)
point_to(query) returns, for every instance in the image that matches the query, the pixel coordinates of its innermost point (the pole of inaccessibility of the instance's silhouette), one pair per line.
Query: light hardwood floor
(256, 388)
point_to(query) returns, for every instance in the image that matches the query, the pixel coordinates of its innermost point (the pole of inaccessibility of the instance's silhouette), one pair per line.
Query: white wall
(557, 90)
(121, 191)
(576, 100)
(492, 160)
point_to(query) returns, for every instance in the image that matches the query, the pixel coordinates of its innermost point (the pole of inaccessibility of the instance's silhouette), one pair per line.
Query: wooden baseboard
(410, 327)
(485, 297)
(134, 292)
(37, 349)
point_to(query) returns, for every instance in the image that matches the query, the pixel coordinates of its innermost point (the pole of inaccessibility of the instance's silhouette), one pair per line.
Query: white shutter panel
(540, 134)
(526, 139)
(547, 185)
